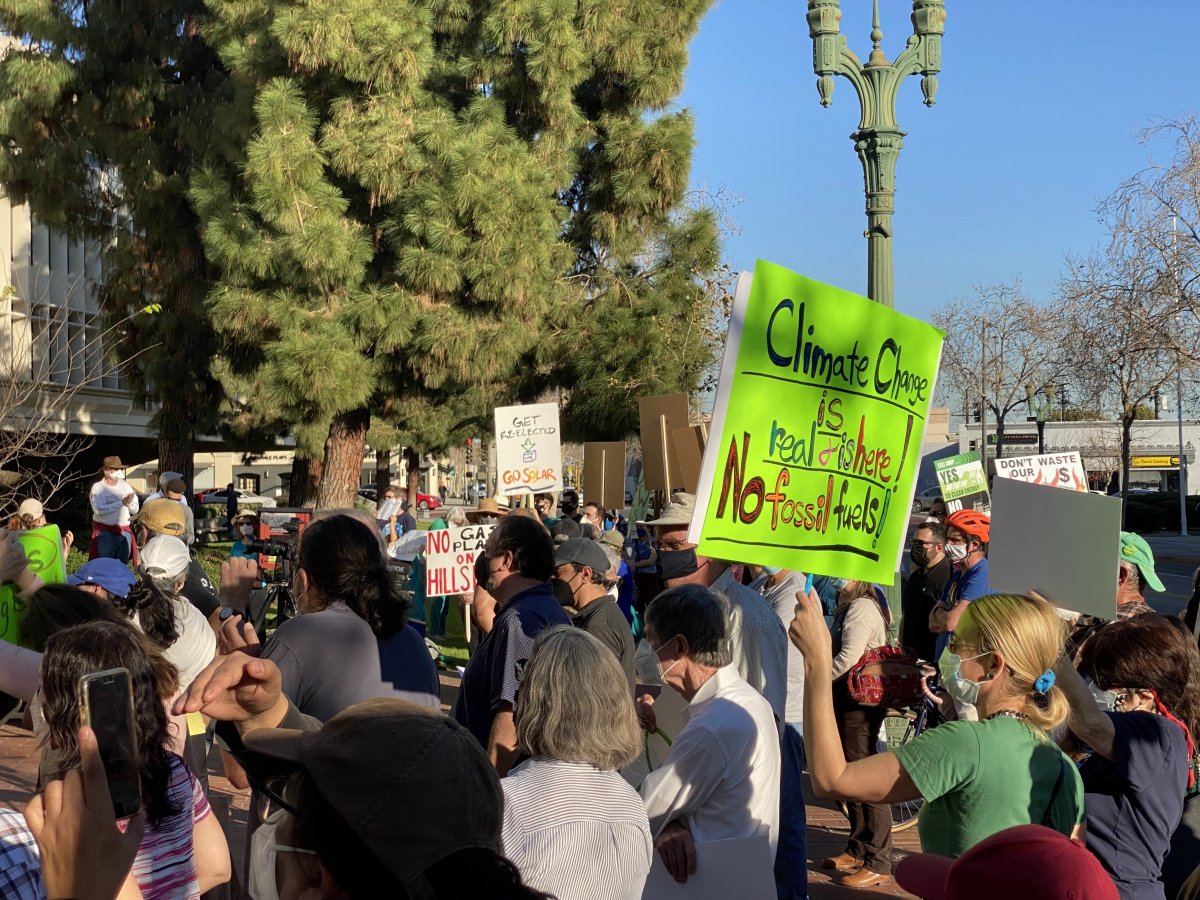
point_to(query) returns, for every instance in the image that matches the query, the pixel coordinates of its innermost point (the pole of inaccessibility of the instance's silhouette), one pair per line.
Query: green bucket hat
(1134, 549)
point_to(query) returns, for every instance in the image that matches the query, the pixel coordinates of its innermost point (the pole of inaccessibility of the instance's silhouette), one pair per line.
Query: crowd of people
(1059, 751)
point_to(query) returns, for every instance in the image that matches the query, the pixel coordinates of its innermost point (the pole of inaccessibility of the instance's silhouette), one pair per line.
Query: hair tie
(1044, 683)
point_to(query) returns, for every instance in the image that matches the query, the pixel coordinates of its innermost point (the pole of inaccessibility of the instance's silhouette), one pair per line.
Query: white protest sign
(1064, 545)
(1061, 470)
(739, 868)
(528, 449)
(450, 559)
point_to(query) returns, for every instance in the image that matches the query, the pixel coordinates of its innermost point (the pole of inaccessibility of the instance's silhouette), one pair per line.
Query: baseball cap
(111, 574)
(583, 552)
(175, 486)
(565, 529)
(163, 516)
(678, 512)
(164, 555)
(32, 508)
(412, 784)
(1023, 861)
(1134, 549)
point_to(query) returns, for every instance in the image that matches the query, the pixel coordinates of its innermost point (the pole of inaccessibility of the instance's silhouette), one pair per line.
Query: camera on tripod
(276, 539)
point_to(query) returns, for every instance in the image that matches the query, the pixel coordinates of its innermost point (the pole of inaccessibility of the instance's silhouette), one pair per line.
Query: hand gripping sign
(813, 453)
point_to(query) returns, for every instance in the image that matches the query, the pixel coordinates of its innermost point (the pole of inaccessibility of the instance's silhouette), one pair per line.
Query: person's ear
(996, 665)
(682, 647)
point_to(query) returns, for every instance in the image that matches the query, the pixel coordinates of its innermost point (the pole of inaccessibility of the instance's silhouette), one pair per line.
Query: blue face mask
(1106, 700)
(772, 570)
(961, 689)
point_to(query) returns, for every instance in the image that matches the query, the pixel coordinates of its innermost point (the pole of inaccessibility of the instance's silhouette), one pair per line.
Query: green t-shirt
(979, 778)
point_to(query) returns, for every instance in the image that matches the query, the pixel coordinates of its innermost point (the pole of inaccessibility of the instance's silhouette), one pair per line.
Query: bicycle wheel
(901, 727)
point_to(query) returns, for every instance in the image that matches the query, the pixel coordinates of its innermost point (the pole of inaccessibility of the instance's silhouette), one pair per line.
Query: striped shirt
(576, 832)
(164, 867)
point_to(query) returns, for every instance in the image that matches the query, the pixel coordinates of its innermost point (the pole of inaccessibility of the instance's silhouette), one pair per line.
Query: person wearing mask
(569, 504)
(158, 607)
(576, 728)
(978, 777)
(543, 504)
(645, 569)
(403, 523)
(581, 566)
(625, 591)
(1135, 706)
(167, 516)
(859, 626)
(595, 515)
(757, 642)
(330, 655)
(247, 545)
(516, 565)
(182, 851)
(113, 504)
(923, 589)
(937, 511)
(720, 779)
(778, 588)
(967, 535)
(387, 799)
(386, 512)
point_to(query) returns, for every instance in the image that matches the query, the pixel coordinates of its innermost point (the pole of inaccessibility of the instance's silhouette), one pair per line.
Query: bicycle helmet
(976, 524)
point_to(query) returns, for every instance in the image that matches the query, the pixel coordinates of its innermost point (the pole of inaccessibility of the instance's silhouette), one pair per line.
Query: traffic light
(470, 451)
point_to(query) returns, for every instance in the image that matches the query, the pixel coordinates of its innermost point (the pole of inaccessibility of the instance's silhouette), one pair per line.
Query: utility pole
(1183, 524)
(983, 396)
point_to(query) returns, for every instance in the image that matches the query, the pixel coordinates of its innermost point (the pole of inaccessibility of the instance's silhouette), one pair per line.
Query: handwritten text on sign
(528, 449)
(450, 559)
(817, 429)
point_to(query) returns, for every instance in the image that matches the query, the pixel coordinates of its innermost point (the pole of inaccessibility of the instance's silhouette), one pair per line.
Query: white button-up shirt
(757, 641)
(721, 777)
(108, 503)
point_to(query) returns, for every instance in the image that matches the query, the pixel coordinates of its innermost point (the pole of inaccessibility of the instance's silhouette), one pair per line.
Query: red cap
(1024, 861)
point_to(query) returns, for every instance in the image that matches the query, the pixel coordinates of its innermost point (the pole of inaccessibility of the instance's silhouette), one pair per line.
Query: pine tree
(436, 202)
(104, 108)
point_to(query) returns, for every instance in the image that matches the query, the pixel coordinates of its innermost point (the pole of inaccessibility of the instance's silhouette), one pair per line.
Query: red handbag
(886, 676)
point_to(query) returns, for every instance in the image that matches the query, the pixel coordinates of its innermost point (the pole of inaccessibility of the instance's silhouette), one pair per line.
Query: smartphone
(106, 706)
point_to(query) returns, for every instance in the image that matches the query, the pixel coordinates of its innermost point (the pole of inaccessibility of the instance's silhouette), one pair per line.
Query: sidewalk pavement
(18, 775)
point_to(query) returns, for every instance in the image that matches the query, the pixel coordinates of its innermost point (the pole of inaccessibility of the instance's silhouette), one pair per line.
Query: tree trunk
(344, 451)
(306, 479)
(177, 442)
(383, 472)
(412, 459)
(999, 433)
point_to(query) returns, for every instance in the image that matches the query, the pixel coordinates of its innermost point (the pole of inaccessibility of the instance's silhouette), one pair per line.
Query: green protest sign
(964, 486)
(43, 547)
(817, 428)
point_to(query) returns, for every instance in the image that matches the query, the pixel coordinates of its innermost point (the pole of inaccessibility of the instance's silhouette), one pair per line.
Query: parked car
(244, 498)
(428, 501)
(923, 501)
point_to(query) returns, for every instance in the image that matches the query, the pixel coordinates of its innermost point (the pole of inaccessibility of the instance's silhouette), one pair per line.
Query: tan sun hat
(678, 512)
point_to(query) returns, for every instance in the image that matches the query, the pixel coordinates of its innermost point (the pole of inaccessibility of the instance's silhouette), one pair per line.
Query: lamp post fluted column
(878, 139)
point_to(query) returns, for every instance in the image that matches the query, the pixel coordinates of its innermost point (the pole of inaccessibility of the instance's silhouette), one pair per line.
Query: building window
(248, 483)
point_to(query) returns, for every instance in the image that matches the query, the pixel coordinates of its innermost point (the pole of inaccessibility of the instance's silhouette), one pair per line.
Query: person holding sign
(977, 778)
(756, 637)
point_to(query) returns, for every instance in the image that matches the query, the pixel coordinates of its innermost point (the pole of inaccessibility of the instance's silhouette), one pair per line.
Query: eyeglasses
(956, 647)
(670, 545)
(917, 543)
(275, 787)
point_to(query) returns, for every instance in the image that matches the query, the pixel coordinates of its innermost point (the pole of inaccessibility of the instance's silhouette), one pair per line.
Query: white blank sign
(1065, 545)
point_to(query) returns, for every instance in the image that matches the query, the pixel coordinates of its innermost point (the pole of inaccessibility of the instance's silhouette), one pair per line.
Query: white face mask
(956, 552)
(248, 530)
(662, 673)
(263, 850)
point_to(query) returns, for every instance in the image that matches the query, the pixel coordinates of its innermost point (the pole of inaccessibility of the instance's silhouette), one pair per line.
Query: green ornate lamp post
(1040, 401)
(878, 139)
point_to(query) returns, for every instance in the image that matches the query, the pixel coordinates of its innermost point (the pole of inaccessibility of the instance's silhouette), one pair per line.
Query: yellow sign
(1154, 462)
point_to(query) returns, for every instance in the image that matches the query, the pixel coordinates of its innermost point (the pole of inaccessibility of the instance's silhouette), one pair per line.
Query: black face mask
(919, 556)
(481, 571)
(678, 563)
(562, 592)
(570, 508)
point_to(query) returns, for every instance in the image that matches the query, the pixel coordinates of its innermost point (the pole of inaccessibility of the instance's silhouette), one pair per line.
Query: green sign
(43, 547)
(961, 476)
(817, 429)
(641, 499)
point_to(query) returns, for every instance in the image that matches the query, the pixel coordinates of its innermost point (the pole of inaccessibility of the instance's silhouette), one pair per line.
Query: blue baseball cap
(111, 574)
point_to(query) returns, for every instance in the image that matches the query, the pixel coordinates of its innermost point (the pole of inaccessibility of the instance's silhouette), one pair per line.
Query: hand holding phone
(83, 853)
(106, 707)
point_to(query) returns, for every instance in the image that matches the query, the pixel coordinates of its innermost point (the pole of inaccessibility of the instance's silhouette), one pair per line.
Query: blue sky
(1036, 120)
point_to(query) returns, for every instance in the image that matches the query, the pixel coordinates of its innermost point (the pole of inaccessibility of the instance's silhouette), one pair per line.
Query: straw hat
(489, 506)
